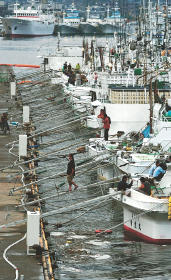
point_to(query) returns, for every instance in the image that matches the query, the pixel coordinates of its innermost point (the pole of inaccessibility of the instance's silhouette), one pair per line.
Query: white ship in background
(1, 27)
(70, 22)
(91, 25)
(113, 22)
(28, 22)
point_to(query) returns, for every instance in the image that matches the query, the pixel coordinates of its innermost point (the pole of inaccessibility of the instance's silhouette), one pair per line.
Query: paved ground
(29, 266)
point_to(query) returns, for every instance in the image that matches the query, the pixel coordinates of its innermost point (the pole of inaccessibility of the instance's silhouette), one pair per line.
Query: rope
(6, 259)
(138, 215)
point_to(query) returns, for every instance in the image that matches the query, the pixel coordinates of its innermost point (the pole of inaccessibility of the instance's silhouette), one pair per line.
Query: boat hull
(106, 171)
(86, 28)
(17, 27)
(140, 167)
(65, 29)
(150, 227)
(107, 28)
(145, 217)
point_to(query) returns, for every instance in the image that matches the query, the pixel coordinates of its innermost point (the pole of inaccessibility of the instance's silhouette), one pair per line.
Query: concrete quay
(29, 267)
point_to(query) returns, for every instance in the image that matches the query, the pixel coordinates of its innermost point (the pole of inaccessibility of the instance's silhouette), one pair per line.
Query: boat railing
(157, 133)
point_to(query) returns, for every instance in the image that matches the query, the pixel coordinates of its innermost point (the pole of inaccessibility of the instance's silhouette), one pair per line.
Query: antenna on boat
(58, 44)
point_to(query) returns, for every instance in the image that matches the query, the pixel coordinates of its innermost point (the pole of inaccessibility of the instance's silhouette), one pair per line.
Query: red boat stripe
(145, 237)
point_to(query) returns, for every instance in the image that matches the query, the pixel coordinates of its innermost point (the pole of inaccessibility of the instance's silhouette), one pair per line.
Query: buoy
(108, 231)
(23, 82)
(169, 209)
(103, 231)
(81, 149)
(98, 230)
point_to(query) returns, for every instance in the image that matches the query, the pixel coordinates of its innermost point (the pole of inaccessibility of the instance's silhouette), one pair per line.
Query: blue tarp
(146, 132)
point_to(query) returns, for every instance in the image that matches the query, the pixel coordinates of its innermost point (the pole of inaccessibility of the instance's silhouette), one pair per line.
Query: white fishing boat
(90, 26)
(28, 22)
(101, 149)
(147, 217)
(113, 22)
(137, 157)
(70, 21)
(135, 163)
(1, 27)
(56, 60)
(157, 146)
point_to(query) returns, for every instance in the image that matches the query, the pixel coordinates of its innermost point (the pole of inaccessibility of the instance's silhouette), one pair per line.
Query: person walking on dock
(4, 123)
(71, 172)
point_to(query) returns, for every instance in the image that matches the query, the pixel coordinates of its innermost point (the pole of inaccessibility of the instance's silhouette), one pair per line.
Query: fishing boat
(56, 60)
(134, 155)
(145, 217)
(1, 27)
(104, 151)
(158, 145)
(28, 22)
(70, 22)
(113, 22)
(91, 25)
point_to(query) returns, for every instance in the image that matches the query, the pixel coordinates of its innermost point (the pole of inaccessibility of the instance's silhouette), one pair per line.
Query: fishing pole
(32, 74)
(48, 130)
(54, 164)
(52, 109)
(55, 108)
(55, 95)
(69, 111)
(62, 174)
(59, 141)
(68, 123)
(37, 82)
(78, 206)
(80, 215)
(37, 158)
(107, 182)
(98, 164)
(48, 115)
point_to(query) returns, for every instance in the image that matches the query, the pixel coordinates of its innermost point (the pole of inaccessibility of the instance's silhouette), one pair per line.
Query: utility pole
(151, 104)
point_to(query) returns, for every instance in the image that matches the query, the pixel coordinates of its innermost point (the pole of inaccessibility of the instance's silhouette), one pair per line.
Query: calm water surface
(80, 253)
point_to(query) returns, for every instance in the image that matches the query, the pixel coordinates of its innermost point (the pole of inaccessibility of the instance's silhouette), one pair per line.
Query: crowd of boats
(130, 80)
(33, 21)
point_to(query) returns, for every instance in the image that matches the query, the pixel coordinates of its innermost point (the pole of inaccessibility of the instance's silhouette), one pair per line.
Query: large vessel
(112, 22)
(91, 25)
(1, 27)
(28, 22)
(70, 22)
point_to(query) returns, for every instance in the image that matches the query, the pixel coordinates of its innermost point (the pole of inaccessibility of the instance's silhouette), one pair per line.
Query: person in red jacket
(106, 125)
(101, 126)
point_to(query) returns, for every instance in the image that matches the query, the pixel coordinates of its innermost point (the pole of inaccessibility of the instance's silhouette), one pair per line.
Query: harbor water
(79, 252)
